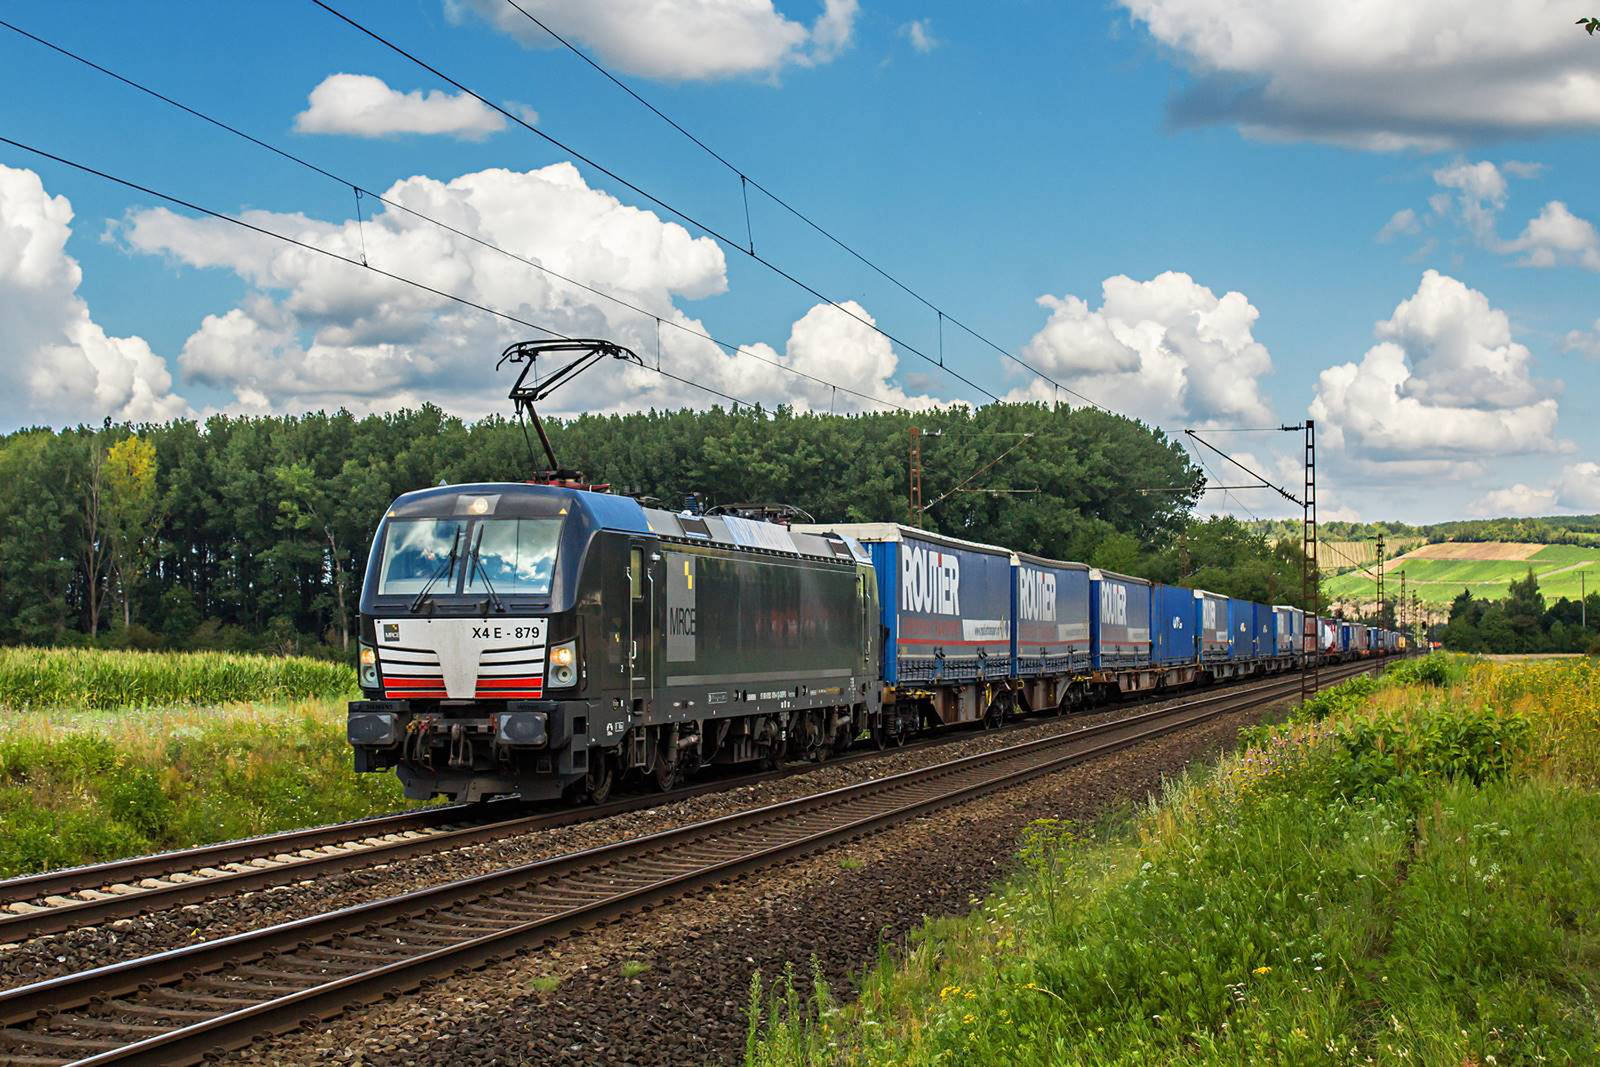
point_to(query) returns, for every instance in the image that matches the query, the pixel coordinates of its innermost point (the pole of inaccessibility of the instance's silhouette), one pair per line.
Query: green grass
(35, 678)
(1565, 554)
(1407, 875)
(83, 789)
(634, 968)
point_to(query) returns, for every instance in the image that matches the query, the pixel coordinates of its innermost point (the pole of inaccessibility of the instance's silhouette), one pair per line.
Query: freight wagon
(1052, 640)
(945, 609)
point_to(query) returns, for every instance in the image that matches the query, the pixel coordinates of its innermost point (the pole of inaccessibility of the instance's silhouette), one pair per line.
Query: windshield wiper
(448, 569)
(475, 565)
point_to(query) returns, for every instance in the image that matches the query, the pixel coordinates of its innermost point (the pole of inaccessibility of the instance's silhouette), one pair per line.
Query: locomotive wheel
(902, 731)
(816, 737)
(597, 783)
(664, 777)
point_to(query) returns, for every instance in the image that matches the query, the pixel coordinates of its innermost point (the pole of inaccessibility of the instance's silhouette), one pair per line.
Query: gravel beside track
(688, 1007)
(84, 948)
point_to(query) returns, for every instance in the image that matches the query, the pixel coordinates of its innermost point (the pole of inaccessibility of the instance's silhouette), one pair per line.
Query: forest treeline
(1553, 530)
(252, 532)
(1523, 622)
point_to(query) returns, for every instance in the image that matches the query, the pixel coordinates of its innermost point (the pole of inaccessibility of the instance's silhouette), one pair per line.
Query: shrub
(1435, 670)
(1395, 757)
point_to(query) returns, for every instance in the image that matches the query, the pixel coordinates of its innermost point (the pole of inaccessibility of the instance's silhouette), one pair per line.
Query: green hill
(1562, 570)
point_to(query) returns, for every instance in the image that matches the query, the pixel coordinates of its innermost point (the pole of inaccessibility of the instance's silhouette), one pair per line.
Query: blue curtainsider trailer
(1241, 618)
(1172, 625)
(945, 605)
(1052, 631)
(1211, 619)
(1262, 631)
(1288, 625)
(1119, 619)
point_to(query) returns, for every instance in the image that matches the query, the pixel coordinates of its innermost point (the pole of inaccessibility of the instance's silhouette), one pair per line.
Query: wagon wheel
(902, 730)
(880, 734)
(994, 716)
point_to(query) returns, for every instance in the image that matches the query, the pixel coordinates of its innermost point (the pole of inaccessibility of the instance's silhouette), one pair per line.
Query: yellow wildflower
(1263, 970)
(969, 1018)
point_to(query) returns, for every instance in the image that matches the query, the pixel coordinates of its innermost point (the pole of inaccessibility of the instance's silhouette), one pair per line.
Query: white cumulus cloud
(1579, 487)
(1583, 342)
(1445, 382)
(1518, 501)
(920, 33)
(1165, 350)
(1481, 193)
(1553, 238)
(1402, 222)
(318, 333)
(1425, 73)
(677, 40)
(1575, 489)
(361, 105)
(1557, 237)
(57, 364)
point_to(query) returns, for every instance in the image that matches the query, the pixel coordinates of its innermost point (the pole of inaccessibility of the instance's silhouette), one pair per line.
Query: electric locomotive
(545, 640)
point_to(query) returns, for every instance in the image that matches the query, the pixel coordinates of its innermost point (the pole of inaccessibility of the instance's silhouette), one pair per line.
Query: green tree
(129, 509)
(94, 546)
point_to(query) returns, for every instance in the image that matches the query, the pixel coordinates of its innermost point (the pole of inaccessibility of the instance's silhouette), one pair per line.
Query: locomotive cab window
(514, 555)
(636, 573)
(415, 550)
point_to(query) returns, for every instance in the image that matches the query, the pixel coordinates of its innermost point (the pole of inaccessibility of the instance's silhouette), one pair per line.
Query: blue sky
(990, 156)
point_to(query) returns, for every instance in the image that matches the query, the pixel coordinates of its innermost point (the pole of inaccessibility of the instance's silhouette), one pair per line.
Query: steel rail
(311, 968)
(38, 905)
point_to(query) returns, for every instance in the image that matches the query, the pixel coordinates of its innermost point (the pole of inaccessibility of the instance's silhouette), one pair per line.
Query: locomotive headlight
(564, 665)
(367, 671)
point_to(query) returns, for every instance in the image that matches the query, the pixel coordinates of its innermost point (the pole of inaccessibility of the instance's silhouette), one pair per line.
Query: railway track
(183, 1005)
(56, 901)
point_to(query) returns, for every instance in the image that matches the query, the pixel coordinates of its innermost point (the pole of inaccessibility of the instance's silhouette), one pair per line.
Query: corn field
(36, 678)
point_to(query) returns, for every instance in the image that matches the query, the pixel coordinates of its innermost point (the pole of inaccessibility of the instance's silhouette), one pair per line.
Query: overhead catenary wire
(986, 467)
(746, 182)
(708, 229)
(361, 191)
(423, 286)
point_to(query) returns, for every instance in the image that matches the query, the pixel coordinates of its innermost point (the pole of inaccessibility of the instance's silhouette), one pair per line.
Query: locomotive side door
(641, 643)
(867, 615)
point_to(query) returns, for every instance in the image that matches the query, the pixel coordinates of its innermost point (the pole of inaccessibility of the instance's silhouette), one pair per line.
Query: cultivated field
(1338, 554)
(1438, 573)
(92, 679)
(110, 754)
(1406, 874)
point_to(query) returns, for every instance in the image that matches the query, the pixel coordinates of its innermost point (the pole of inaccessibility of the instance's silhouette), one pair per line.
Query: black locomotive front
(478, 652)
(542, 641)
